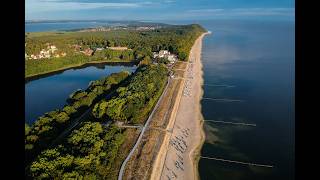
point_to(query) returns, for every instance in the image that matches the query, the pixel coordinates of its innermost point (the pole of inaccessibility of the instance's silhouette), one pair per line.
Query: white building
(99, 49)
(172, 58)
(165, 54)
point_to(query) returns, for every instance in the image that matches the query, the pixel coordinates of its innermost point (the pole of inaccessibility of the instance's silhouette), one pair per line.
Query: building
(172, 58)
(53, 48)
(49, 52)
(119, 48)
(161, 54)
(99, 49)
(33, 56)
(44, 54)
(87, 52)
(76, 47)
(165, 54)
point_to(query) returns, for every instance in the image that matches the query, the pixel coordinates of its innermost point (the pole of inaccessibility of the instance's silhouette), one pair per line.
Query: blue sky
(157, 9)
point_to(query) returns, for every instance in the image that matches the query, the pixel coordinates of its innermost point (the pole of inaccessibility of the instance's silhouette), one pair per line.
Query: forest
(89, 151)
(47, 127)
(178, 39)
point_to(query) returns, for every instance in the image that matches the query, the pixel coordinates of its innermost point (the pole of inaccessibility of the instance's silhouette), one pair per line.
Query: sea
(250, 66)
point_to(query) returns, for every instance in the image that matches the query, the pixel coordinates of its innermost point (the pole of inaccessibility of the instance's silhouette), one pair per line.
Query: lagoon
(51, 92)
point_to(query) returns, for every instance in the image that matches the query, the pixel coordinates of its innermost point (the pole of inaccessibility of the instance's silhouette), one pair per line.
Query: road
(142, 132)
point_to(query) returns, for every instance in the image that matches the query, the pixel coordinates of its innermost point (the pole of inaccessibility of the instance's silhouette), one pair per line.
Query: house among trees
(87, 52)
(165, 54)
(119, 48)
(76, 47)
(46, 53)
(161, 54)
(99, 49)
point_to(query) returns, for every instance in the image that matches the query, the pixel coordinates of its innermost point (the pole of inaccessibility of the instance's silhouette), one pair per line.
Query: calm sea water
(54, 26)
(49, 93)
(256, 60)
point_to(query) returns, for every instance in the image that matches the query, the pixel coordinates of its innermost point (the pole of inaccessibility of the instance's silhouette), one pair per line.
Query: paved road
(142, 132)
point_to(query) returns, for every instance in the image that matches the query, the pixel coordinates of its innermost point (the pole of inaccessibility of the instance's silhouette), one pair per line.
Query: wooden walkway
(237, 162)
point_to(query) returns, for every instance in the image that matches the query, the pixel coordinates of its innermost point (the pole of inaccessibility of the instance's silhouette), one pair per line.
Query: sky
(157, 9)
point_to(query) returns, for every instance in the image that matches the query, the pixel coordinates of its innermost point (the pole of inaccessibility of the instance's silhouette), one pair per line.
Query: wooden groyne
(219, 85)
(223, 100)
(237, 162)
(233, 123)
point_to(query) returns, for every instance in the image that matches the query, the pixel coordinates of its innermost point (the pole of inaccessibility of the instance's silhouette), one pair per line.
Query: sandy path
(177, 158)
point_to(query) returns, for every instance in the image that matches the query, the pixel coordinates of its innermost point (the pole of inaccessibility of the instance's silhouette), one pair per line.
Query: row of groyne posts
(226, 123)
(230, 123)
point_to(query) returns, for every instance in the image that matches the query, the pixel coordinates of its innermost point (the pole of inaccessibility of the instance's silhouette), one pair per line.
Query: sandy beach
(178, 154)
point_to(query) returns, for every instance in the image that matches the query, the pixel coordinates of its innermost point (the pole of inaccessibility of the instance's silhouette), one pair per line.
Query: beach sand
(179, 153)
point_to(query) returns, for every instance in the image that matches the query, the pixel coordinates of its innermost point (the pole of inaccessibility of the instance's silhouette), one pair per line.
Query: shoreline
(197, 150)
(187, 115)
(49, 73)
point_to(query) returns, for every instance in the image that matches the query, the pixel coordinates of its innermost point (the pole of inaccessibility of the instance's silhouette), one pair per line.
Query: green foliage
(69, 110)
(26, 129)
(135, 101)
(162, 60)
(88, 153)
(99, 109)
(78, 95)
(51, 124)
(176, 39)
(85, 137)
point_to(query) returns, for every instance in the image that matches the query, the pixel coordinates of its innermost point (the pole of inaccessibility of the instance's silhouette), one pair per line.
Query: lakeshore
(185, 124)
(73, 66)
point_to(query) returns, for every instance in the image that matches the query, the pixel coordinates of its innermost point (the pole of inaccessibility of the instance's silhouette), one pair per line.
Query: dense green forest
(90, 150)
(47, 127)
(88, 153)
(137, 99)
(177, 39)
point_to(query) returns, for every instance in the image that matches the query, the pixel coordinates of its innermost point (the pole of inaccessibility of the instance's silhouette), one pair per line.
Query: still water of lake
(256, 58)
(49, 93)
